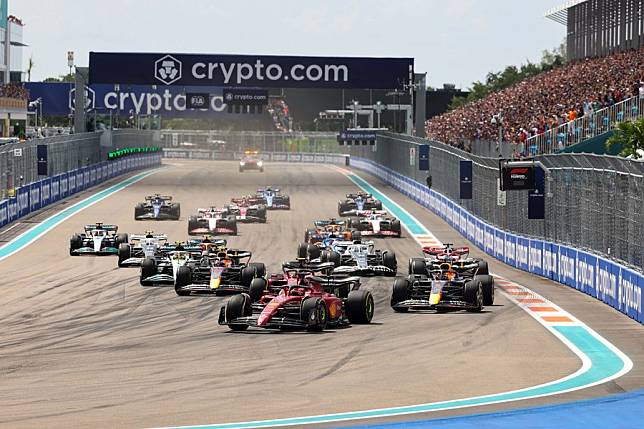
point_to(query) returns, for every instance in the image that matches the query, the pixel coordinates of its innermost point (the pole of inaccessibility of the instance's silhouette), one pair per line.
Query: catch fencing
(317, 158)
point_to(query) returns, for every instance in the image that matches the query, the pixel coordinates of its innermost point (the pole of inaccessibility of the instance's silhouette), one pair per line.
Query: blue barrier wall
(47, 191)
(603, 279)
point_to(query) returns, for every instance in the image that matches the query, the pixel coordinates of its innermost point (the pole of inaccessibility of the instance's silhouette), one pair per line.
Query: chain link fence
(593, 202)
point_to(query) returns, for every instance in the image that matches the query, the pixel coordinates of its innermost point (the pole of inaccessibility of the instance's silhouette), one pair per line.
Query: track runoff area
(85, 344)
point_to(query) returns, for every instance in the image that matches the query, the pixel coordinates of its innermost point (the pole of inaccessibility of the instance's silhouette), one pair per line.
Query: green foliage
(68, 78)
(512, 75)
(630, 136)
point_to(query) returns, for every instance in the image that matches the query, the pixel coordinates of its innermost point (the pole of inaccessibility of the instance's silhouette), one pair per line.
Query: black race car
(157, 207)
(354, 203)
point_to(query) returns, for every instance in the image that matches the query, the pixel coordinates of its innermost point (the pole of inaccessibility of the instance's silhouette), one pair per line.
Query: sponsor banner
(423, 157)
(41, 155)
(92, 176)
(550, 261)
(489, 239)
(607, 282)
(197, 100)
(535, 257)
(479, 237)
(22, 195)
(34, 196)
(567, 266)
(536, 197)
(245, 96)
(45, 192)
(64, 185)
(499, 244)
(279, 157)
(259, 71)
(523, 252)
(294, 157)
(12, 209)
(465, 171)
(307, 158)
(586, 265)
(4, 213)
(54, 189)
(71, 182)
(629, 297)
(511, 249)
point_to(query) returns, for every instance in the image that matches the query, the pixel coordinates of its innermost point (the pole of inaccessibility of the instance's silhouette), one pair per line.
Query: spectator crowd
(541, 103)
(14, 90)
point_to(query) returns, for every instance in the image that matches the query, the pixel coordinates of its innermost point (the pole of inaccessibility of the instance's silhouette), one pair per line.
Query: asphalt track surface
(83, 344)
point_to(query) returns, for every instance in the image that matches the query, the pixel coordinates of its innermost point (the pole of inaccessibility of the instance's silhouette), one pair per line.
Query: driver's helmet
(268, 189)
(179, 247)
(149, 234)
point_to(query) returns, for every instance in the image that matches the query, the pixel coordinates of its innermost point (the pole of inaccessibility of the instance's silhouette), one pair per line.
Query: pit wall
(45, 192)
(605, 280)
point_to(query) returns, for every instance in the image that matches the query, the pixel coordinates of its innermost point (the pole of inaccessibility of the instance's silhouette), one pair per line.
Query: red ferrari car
(300, 298)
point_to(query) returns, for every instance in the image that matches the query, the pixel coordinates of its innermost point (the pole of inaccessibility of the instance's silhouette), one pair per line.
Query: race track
(83, 344)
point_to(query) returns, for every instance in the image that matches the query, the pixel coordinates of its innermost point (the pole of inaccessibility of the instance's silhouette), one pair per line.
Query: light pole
(70, 64)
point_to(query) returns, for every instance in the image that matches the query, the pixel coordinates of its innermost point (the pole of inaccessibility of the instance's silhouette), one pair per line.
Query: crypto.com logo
(167, 69)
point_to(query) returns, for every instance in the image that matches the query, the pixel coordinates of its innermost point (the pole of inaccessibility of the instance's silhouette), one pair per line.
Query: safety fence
(319, 158)
(588, 126)
(47, 191)
(604, 279)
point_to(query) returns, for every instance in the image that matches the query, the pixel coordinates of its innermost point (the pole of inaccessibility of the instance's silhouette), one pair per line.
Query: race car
(163, 267)
(212, 220)
(157, 207)
(329, 228)
(354, 203)
(251, 161)
(360, 258)
(444, 288)
(246, 211)
(436, 255)
(300, 298)
(97, 239)
(273, 199)
(375, 223)
(141, 246)
(227, 271)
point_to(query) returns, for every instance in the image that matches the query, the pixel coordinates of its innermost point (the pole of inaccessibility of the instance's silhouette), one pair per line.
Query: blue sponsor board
(550, 266)
(423, 157)
(22, 195)
(34, 196)
(4, 213)
(258, 71)
(499, 244)
(630, 294)
(45, 192)
(535, 257)
(607, 277)
(489, 239)
(523, 252)
(465, 172)
(64, 185)
(12, 209)
(54, 189)
(585, 272)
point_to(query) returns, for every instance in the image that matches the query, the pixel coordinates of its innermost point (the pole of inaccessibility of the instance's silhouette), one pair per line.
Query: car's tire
(331, 256)
(308, 234)
(139, 210)
(378, 205)
(359, 306)
(302, 251)
(356, 236)
(148, 269)
(483, 268)
(473, 294)
(396, 227)
(238, 306)
(314, 312)
(125, 252)
(417, 266)
(233, 227)
(176, 211)
(400, 293)
(389, 261)
(341, 208)
(260, 268)
(262, 215)
(193, 224)
(257, 288)
(313, 251)
(184, 278)
(122, 238)
(247, 276)
(76, 242)
(488, 288)
(355, 224)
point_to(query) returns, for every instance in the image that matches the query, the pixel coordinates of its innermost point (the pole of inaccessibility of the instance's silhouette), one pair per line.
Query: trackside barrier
(319, 158)
(612, 283)
(47, 191)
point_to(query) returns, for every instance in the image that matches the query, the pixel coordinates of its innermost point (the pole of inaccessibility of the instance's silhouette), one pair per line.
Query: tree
(68, 78)
(30, 67)
(630, 136)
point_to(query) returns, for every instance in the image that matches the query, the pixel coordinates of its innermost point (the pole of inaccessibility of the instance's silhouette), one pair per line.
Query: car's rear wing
(139, 237)
(322, 223)
(359, 194)
(100, 225)
(304, 266)
(162, 197)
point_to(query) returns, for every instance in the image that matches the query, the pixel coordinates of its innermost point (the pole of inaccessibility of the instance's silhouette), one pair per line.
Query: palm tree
(630, 136)
(30, 68)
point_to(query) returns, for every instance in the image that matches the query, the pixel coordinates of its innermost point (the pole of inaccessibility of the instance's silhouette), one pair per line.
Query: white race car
(213, 221)
(141, 246)
(360, 258)
(375, 223)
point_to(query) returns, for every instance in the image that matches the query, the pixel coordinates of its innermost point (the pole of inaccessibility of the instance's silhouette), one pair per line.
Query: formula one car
(163, 267)
(354, 203)
(436, 255)
(212, 221)
(444, 288)
(141, 246)
(246, 211)
(360, 258)
(331, 228)
(157, 207)
(97, 239)
(250, 161)
(375, 223)
(273, 199)
(227, 271)
(300, 298)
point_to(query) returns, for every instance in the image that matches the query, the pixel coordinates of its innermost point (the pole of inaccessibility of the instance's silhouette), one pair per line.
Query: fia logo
(167, 69)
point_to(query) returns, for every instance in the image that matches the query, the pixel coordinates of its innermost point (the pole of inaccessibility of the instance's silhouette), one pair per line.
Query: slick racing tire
(175, 211)
(313, 251)
(302, 251)
(193, 224)
(139, 210)
(378, 205)
(315, 313)
(400, 293)
(122, 238)
(342, 208)
(260, 268)
(247, 275)
(488, 288)
(125, 252)
(238, 306)
(148, 269)
(331, 256)
(184, 278)
(389, 261)
(395, 226)
(356, 236)
(257, 288)
(76, 242)
(417, 266)
(473, 294)
(359, 306)
(483, 268)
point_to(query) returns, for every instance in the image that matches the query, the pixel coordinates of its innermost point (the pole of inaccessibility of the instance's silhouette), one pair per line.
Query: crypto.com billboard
(261, 71)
